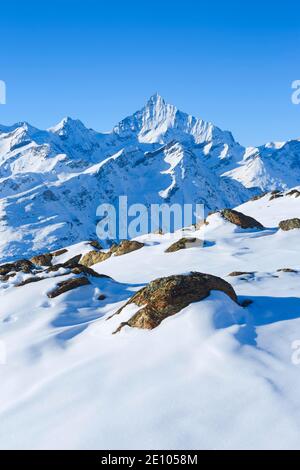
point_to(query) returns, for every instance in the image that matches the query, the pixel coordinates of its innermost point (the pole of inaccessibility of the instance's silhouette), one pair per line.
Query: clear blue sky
(230, 62)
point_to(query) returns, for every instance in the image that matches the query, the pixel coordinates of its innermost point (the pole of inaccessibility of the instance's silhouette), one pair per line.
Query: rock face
(93, 257)
(168, 295)
(68, 285)
(23, 265)
(42, 260)
(184, 243)
(289, 224)
(241, 220)
(126, 246)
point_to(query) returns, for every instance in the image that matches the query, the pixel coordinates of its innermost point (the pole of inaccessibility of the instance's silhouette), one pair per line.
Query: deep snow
(214, 376)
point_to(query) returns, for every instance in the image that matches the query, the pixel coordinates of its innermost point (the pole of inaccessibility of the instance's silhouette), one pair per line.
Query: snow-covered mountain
(52, 181)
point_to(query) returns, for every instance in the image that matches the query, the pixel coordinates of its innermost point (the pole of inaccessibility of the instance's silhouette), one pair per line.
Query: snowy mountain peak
(67, 125)
(156, 100)
(160, 122)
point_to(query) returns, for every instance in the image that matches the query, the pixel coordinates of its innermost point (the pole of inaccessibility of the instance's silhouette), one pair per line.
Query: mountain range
(52, 181)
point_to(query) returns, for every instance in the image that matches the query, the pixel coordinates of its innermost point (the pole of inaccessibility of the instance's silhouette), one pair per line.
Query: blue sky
(230, 62)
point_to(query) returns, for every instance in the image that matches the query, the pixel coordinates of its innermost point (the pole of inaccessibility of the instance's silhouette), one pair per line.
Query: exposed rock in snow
(289, 224)
(241, 220)
(169, 295)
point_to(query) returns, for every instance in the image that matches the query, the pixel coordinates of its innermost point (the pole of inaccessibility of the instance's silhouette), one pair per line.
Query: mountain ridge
(53, 180)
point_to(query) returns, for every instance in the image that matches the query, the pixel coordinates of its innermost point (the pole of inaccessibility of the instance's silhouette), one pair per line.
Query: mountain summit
(159, 122)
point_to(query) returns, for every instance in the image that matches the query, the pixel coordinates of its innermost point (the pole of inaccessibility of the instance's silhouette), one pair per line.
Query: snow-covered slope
(52, 181)
(213, 376)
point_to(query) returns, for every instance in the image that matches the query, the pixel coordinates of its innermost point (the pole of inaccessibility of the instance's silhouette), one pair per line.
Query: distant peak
(67, 123)
(156, 99)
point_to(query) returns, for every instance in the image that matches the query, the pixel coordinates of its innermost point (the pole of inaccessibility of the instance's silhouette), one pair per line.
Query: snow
(214, 376)
(156, 155)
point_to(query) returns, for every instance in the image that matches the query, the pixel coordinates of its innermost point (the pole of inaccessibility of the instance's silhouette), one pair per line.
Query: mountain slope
(52, 181)
(68, 382)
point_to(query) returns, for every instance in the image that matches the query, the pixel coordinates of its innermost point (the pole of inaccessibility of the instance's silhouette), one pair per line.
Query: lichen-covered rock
(42, 260)
(126, 246)
(241, 220)
(68, 285)
(289, 224)
(166, 296)
(184, 243)
(23, 265)
(94, 257)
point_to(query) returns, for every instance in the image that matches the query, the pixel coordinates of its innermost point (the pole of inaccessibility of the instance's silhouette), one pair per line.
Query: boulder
(166, 296)
(126, 246)
(23, 265)
(241, 220)
(94, 257)
(68, 285)
(42, 260)
(184, 243)
(289, 224)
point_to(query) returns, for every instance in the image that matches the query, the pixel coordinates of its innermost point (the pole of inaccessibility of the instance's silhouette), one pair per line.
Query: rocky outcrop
(94, 257)
(289, 224)
(168, 295)
(241, 220)
(42, 260)
(68, 285)
(126, 246)
(23, 265)
(184, 243)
